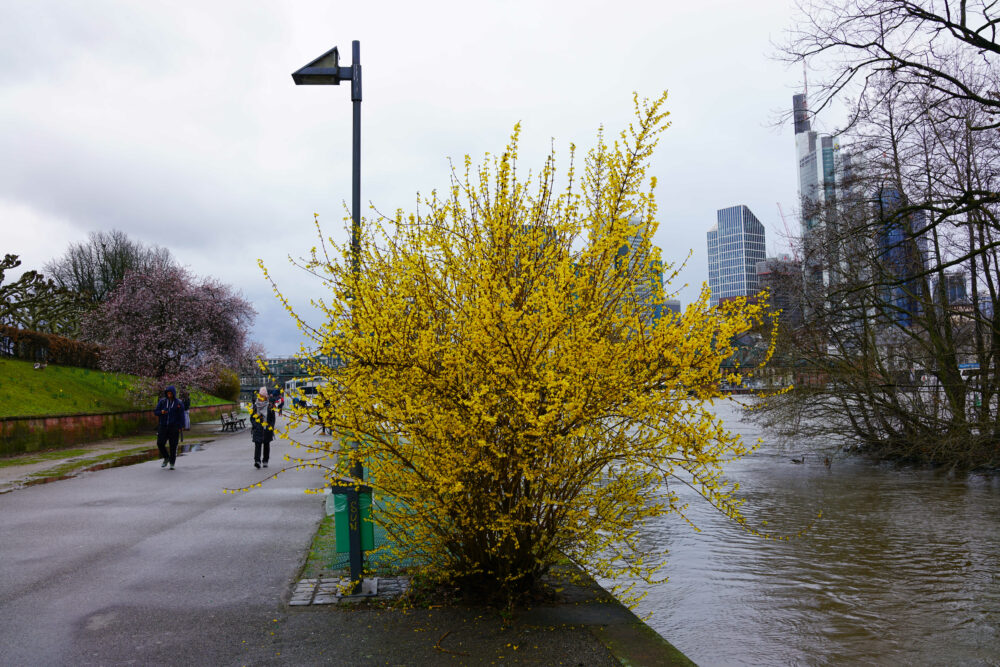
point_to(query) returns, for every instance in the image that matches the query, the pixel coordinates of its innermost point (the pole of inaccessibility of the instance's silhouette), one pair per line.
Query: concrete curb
(638, 644)
(630, 640)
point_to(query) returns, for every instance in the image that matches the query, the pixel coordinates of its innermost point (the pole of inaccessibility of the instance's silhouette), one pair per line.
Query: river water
(903, 568)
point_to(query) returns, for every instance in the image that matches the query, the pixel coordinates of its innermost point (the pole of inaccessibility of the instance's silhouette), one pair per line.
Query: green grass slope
(64, 390)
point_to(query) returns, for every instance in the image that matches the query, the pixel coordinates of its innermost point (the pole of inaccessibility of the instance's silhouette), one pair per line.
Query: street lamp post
(326, 71)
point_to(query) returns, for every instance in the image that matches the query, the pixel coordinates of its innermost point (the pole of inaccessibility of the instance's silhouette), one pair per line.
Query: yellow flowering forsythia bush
(513, 399)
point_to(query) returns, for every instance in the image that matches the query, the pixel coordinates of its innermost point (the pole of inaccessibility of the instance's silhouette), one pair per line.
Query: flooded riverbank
(902, 568)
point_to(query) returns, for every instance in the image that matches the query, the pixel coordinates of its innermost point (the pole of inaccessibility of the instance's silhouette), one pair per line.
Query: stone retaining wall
(28, 434)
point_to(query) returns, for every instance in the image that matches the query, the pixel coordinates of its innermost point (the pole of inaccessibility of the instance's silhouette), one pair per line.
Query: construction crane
(788, 234)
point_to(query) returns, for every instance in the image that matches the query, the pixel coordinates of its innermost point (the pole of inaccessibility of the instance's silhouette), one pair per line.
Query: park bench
(228, 423)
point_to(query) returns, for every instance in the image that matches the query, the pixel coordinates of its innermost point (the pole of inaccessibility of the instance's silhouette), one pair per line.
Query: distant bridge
(279, 371)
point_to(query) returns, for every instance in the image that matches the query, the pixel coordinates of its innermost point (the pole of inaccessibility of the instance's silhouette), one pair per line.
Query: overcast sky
(179, 122)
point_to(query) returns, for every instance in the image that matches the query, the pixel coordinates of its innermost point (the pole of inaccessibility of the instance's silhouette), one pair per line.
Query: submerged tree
(900, 352)
(509, 391)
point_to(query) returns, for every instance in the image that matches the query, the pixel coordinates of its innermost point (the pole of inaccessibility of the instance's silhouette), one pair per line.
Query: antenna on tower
(805, 79)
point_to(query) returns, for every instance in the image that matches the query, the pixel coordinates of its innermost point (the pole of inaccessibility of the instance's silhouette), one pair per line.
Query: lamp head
(323, 71)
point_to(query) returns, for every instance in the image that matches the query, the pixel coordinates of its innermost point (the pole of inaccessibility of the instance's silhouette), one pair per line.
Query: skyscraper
(955, 287)
(647, 273)
(821, 166)
(782, 277)
(902, 255)
(735, 245)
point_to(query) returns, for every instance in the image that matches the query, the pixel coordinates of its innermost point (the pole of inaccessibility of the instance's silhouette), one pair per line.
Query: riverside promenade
(137, 564)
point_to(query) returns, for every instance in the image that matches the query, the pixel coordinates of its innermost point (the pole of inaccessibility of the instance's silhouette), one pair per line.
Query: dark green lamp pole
(326, 71)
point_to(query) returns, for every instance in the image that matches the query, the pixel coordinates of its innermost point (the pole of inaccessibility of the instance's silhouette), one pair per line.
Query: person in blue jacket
(170, 410)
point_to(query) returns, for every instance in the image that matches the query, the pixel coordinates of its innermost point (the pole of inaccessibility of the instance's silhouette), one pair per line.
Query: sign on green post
(342, 521)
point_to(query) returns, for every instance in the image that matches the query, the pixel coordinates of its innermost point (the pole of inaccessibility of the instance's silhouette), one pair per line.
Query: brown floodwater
(902, 569)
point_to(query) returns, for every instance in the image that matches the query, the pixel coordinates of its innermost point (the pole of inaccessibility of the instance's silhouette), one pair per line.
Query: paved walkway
(41, 467)
(142, 565)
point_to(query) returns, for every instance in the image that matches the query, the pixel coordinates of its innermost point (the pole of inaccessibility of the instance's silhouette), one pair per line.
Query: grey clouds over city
(179, 122)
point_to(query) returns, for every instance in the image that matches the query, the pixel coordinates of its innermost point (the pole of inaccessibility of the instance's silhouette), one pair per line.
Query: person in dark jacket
(262, 427)
(186, 402)
(170, 411)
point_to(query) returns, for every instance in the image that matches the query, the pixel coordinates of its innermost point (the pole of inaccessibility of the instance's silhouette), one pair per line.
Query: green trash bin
(340, 522)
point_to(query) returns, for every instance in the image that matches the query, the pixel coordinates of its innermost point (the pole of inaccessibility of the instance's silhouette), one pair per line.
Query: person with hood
(262, 427)
(170, 411)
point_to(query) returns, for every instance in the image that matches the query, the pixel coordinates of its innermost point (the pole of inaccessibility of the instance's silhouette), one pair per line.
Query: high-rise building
(902, 254)
(955, 287)
(821, 168)
(647, 275)
(782, 277)
(735, 245)
(817, 155)
(952, 297)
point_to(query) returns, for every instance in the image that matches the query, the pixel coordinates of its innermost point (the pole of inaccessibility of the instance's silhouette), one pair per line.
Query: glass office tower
(822, 168)
(735, 245)
(902, 256)
(647, 272)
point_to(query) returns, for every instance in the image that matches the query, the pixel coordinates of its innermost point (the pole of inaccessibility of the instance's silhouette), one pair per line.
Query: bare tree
(849, 41)
(97, 266)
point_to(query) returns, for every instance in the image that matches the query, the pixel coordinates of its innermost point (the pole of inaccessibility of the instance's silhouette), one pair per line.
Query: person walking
(170, 411)
(262, 427)
(186, 402)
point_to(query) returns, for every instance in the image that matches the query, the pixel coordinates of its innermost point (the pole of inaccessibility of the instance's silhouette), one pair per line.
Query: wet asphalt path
(142, 565)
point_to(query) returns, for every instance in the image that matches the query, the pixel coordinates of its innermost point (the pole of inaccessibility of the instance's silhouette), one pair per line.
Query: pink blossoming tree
(171, 327)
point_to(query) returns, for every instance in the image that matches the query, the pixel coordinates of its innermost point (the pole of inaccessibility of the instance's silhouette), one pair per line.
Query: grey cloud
(181, 116)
